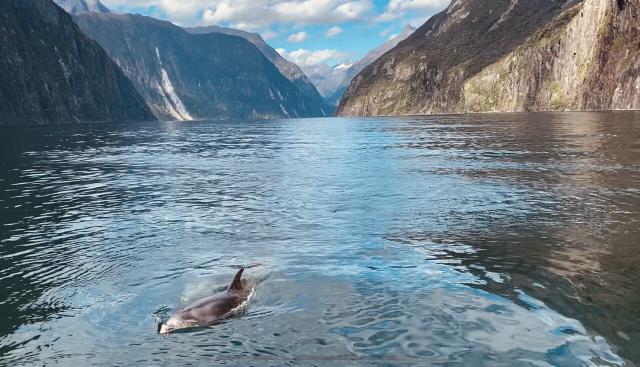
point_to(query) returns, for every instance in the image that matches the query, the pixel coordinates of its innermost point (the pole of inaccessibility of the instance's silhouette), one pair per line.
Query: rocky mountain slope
(50, 72)
(508, 55)
(82, 6)
(290, 70)
(185, 76)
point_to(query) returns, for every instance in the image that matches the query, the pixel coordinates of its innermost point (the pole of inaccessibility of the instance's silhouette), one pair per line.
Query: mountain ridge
(289, 69)
(76, 7)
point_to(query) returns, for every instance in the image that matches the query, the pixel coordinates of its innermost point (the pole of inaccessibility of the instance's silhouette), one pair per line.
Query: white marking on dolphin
(211, 310)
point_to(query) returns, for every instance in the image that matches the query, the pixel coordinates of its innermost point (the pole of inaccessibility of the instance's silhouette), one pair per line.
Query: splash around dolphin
(210, 310)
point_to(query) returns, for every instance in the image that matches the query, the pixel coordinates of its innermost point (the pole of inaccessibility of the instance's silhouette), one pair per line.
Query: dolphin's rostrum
(211, 310)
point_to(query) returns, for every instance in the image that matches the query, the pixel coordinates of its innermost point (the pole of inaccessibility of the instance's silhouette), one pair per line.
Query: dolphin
(211, 310)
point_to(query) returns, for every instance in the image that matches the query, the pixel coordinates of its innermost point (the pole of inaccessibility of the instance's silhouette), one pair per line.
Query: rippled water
(491, 240)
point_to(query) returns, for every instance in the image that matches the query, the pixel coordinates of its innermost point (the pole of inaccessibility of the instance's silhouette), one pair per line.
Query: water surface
(479, 240)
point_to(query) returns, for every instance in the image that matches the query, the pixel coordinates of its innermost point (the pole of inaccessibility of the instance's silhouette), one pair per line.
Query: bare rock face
(484, 56)
(185, 76)
(615, 80)
(50, 72)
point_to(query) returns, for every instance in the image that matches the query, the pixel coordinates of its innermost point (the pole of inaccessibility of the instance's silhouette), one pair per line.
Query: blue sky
(306, 31)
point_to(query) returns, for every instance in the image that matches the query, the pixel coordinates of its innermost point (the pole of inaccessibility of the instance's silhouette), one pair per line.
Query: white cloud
(333, 31)
(398, 8)
(251, 14)
(178, 11)
(258, 14)
(304, 57)
(353, 10)
(298, 37)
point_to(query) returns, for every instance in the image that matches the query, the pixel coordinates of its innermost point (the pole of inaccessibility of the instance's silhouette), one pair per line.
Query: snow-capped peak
(343, 66)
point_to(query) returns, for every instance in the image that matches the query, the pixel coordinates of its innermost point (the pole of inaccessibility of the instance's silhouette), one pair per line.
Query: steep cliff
(185, 76)
(615, 81)
(52, 73)
(290, 70)
(481, 56)
(586, 59)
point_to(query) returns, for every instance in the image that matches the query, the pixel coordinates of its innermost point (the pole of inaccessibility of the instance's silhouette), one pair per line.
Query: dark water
(497, 240)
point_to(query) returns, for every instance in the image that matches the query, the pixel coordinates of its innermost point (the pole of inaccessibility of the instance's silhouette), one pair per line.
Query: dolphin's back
(213, 308)
(210, 310)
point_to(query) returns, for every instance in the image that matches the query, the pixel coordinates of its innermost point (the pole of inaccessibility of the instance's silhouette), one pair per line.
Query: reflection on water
(495, 240)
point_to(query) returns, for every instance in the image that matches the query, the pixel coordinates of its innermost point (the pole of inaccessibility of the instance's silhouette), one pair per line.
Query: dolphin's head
(170, 325)
(163, 328)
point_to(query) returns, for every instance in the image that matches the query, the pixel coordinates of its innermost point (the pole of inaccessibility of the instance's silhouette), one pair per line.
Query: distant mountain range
(290, 70)
(476, 56)
(324, 86)
(333, 81)
(498, 55)
(50, 72)
(187, 76)
(204, 73)
(328, 79)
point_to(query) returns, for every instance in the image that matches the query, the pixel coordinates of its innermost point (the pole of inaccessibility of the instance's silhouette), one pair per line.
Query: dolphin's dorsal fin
(237, 281)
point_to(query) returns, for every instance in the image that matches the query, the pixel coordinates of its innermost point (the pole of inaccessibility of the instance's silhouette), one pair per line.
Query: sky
(305, 31)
